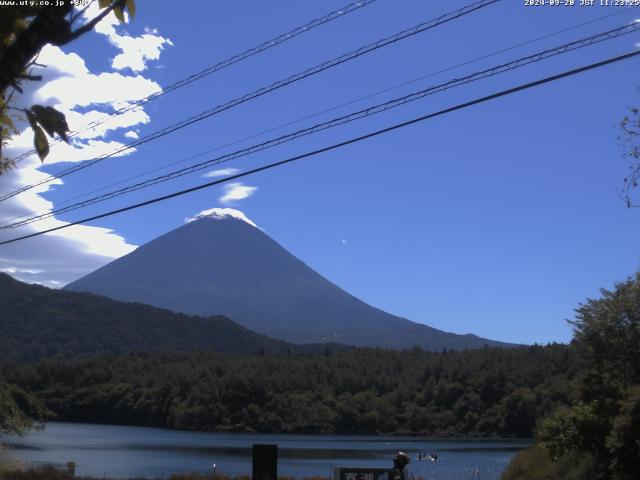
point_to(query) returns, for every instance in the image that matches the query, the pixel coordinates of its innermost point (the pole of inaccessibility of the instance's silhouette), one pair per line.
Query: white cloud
(75, 151)
(77, 121)
(221, 173)
(68, 84)
(14, 270)
(221, 213)
(136, 51)
(57, 258)
(105, 88)
(236, 191)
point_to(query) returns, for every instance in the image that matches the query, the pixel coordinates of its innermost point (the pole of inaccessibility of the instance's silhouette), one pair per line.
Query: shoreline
(435, 438)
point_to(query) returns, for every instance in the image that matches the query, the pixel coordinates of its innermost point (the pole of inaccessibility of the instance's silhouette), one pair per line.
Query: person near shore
(400, 461)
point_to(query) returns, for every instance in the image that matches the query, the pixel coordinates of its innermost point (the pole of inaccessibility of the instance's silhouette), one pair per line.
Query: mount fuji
(221, 263)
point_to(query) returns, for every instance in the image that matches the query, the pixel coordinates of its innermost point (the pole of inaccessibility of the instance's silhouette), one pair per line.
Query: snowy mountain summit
(221, 214)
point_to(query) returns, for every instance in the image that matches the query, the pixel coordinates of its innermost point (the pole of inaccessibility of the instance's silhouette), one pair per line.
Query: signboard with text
(360, 473)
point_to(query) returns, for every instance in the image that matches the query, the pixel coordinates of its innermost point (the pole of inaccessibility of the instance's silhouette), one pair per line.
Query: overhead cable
(264, 90)
(307, 27)
(69, 200)
(375, 109)
(335, 146)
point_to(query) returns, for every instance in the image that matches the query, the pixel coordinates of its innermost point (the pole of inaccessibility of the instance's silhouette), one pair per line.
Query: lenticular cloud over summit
(222, 213)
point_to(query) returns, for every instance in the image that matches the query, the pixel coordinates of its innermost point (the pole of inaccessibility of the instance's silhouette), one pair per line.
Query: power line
(331, 109)
(274, 86)
(477, 59)
(352, 7)
(376, 133)
(502, 68)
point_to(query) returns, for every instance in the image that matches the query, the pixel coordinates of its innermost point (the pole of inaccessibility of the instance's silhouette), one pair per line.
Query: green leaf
(131, 7)
(41, 143)
(51, 120)
(103, 3)
(5, 165)
(6, 120)
(20, 25)
(32, 119)
(119, 13)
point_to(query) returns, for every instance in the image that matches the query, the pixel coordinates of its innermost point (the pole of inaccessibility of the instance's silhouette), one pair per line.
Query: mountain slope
(38, 322)
(223, 264)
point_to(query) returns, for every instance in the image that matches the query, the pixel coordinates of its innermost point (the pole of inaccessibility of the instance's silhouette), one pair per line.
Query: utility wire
(334, 146)
(502, 68)
(274, 86)
(218, 66)
(68, 200)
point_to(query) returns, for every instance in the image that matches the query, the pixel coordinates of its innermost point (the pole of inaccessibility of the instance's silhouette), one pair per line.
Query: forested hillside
(597, 437)
(38, 322)
(484, 392)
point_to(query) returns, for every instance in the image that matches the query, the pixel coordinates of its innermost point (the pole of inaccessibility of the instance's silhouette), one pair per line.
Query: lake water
(118, 451)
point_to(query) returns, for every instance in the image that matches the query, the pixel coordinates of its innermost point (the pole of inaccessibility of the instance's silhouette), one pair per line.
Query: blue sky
(496, 220)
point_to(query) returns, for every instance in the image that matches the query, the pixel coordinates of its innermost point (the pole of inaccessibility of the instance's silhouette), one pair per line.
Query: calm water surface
(117, 451)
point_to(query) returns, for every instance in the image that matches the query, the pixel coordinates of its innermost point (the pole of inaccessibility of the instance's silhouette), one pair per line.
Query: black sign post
(265, 462)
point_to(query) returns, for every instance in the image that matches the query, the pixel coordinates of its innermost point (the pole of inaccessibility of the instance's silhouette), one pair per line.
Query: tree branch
(49, 26)
(30, 77)
(89, 25)
(80, 12)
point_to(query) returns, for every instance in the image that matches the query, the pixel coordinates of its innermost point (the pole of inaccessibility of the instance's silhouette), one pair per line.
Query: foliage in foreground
(44, 472)
(19, 410)
(534, 463)
(50, 472)
(26, 28)
(487, 392)
(629, 139)
(604, 425)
